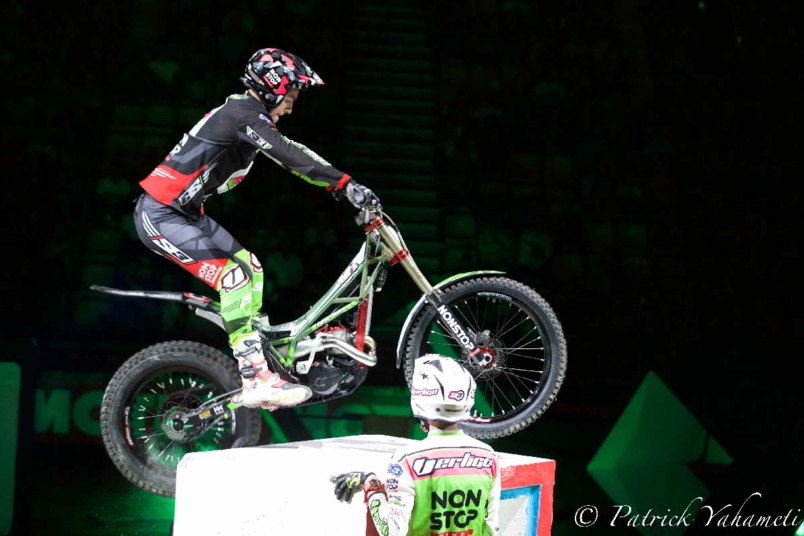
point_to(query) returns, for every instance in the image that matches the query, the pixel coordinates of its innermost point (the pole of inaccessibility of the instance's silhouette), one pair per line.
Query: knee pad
(233, 278)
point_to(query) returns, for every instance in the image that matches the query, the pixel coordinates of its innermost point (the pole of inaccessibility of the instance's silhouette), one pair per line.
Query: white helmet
(441, 389)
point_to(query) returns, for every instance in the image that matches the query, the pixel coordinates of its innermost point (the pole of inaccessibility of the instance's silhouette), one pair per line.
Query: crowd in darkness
(123, 83)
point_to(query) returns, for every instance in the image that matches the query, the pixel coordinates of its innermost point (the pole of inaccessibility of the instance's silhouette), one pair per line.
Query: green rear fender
(400, 346)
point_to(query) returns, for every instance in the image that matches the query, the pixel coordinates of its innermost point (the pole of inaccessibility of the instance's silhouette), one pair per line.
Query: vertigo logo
(428, 466)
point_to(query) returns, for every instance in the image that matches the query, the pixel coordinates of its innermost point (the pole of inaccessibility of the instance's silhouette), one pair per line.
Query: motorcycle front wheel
(519, 329)
(156, 385)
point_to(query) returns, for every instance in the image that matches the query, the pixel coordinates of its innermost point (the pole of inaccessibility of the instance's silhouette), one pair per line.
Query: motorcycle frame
(383, 245)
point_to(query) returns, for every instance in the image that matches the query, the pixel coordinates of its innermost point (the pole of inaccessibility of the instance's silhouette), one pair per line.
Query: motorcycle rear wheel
(519, 329)
(161, 382)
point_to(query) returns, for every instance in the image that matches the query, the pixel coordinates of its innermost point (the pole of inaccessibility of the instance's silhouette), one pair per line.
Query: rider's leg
(257, 284)
(257, 280)
(261, 386)
(210, 253)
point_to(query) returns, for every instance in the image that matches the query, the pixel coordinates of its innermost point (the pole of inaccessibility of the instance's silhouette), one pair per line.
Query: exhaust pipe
(369, 358)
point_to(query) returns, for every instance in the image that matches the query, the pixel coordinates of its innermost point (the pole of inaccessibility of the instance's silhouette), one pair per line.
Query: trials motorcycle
(178, 397)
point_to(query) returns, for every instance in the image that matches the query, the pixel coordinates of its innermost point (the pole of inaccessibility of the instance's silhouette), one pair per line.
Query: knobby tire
(207, 373)
(526, 379)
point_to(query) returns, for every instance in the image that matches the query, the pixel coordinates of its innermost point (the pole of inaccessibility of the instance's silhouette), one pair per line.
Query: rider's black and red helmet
(271, 73)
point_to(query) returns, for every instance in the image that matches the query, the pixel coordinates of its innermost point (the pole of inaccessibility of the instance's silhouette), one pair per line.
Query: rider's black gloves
(358, 195)
(347, 484)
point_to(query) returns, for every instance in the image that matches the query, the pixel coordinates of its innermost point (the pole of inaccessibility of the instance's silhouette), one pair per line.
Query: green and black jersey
(218, 152)
(446, 485)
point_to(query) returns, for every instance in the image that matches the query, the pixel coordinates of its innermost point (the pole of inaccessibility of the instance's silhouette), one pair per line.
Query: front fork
(399, 254)
(450, 322)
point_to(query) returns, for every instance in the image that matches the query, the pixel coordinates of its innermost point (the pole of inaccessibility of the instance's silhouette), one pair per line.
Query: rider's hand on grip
(347, 484)
(360, 196)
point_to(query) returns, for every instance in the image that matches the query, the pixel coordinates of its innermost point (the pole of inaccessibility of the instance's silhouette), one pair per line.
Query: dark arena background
(636, 162)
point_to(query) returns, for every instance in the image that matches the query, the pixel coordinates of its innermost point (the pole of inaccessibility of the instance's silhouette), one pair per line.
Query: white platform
(285, 489)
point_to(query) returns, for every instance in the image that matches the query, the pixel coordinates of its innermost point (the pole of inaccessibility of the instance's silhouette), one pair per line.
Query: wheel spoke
(527, 370)
(505, 402)
(519, 342)
(446, 336)
(167, 395)
(522, 378)
(508, 376)
(152, 416)
(164, 449)
(470, 323)
(505, 329)
(510, 329)
(521, 347)
(443, 343)
(494, 398)
(499, 327)
(542, 359)
(147, 438)
(503, 334)
(192, 389)
(482, 321)
(474, 322)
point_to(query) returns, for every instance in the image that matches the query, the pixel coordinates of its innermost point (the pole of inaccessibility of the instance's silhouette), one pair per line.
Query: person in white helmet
(447, 484)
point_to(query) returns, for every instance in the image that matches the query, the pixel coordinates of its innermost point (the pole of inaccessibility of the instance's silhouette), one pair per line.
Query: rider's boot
(261, 387)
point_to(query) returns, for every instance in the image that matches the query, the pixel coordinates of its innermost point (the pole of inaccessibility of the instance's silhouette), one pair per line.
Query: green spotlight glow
(9, 412)
(645, 460)
(148, 506)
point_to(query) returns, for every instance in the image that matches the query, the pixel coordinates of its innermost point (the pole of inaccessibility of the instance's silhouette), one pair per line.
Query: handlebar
(366, 214)
(360, 199)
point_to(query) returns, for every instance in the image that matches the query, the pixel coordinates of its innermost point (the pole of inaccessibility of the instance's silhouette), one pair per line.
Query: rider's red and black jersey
(218, 152)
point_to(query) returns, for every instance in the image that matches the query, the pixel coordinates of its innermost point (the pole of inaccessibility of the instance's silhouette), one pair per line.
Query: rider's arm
(292, 156)
(391, 515)
(493, 512)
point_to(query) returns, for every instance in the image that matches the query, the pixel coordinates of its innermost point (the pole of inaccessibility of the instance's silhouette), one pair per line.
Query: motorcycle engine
(331, 372)
(324, 378)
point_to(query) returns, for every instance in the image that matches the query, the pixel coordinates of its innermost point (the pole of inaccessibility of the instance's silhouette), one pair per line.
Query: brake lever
(362, 218)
